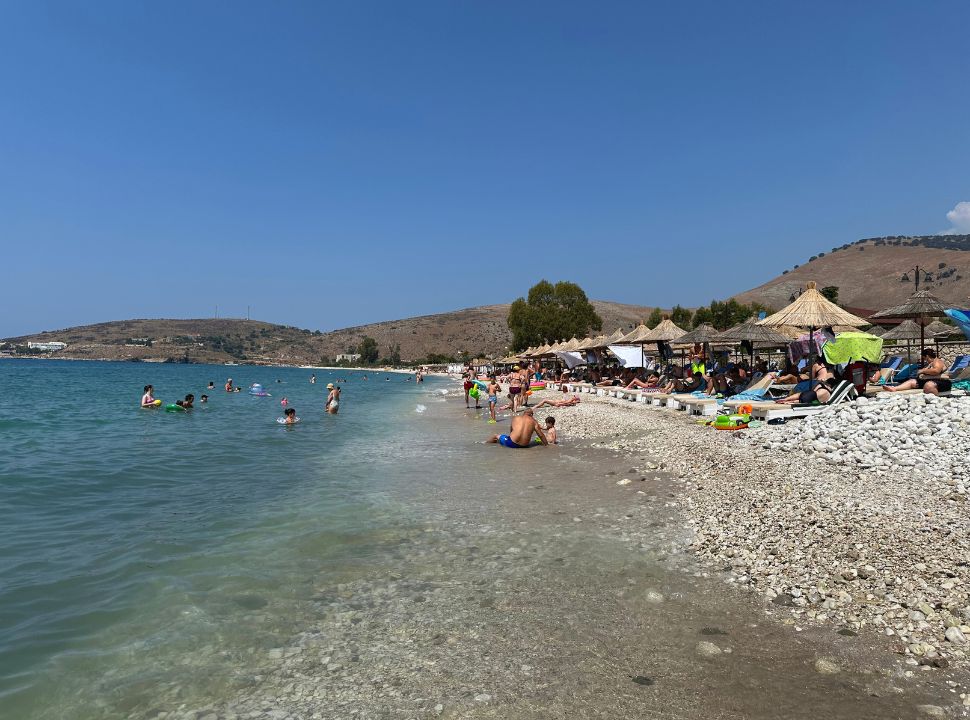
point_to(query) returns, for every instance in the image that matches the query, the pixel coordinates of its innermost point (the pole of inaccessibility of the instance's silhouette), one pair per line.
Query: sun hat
(329, 386)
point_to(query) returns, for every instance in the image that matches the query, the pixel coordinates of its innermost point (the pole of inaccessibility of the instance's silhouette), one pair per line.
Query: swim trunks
(515, 390)
(493, 398)
(508, 442)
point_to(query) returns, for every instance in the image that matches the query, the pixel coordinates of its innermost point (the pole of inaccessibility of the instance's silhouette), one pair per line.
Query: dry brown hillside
(474, 330)
(869, 273)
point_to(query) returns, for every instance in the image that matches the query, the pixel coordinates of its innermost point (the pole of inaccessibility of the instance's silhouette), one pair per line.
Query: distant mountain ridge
(875, 273)
(477, 330)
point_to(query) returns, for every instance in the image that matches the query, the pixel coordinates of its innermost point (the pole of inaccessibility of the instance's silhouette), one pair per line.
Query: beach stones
(708, 649)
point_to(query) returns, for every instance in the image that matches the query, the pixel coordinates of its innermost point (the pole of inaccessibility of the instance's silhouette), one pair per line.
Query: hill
(476, 331)
(875, 273)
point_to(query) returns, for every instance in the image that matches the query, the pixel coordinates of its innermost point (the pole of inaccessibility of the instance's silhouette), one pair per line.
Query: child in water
(187, 403)
(203, 400)
(493, 390)
(290, 415)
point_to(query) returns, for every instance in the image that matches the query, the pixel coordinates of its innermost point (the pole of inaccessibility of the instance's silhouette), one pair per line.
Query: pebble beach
(855, 518)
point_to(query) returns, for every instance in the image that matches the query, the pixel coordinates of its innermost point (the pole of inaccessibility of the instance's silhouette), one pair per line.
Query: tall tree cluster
(551, 313)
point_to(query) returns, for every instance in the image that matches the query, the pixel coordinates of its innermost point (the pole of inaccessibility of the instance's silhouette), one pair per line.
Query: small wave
(420, 409)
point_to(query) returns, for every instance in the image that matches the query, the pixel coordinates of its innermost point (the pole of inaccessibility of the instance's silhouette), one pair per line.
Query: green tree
(680, 316)
(701, 315)
(368, 350)
(551, 312)
(656, 317)
(831, 292)
(393, 356)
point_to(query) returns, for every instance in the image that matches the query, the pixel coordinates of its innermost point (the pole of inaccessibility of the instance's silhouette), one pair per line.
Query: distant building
(352, 357)
(46, 346)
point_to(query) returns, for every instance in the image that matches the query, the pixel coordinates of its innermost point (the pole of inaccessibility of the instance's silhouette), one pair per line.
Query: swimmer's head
(289, 411)
(148, 388)
(190, 397)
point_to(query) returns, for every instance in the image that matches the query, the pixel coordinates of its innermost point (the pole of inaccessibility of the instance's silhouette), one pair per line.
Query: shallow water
(381, 563)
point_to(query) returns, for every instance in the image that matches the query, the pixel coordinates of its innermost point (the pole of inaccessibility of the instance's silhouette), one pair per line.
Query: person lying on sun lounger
(820, 391)
(651, 382)
(931, 379)
(790, 375)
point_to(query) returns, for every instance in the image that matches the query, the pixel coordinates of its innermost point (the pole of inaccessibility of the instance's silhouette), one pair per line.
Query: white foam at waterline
(420, 409)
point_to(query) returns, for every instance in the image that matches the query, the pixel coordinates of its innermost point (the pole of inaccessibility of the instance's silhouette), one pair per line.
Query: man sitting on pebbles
(524, 426)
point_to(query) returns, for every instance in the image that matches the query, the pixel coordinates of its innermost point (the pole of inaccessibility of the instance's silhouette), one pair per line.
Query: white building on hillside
(351, 357)
(46, 346)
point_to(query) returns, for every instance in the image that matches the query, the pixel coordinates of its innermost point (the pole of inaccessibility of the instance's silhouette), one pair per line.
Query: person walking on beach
(526, 376)
(467, 385)
(515, 388)
(333, 399)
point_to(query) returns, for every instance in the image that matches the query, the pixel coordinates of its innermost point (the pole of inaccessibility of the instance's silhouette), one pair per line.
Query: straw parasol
(571, 346)
(908, 331)
(812, 310)
(703, 333)
(750, 331)
(920, 305)
(666, 331)
(941, 329)
(615, 337)
(634, 336)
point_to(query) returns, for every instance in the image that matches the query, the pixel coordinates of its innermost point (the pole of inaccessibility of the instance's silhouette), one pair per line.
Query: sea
(131, 537)
(382, 562)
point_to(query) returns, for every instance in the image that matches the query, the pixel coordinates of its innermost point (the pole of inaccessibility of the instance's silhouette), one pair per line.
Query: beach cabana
(918, 306)
(813, 310)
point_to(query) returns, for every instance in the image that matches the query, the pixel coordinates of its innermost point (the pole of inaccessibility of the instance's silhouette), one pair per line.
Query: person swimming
(203, 400)
(290, 415)
(188, 402)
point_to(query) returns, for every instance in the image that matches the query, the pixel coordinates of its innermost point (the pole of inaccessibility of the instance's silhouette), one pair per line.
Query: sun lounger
(769, 411)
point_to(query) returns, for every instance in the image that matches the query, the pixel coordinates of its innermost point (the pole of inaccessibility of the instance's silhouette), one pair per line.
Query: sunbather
(820, 391)
(565, 402)
(650, 383)
(931, 379)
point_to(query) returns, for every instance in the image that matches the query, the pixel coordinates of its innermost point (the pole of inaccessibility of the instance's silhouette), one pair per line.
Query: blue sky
(332, 164)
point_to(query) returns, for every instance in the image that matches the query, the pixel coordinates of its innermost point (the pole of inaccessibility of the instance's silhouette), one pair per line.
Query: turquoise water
(139, 547)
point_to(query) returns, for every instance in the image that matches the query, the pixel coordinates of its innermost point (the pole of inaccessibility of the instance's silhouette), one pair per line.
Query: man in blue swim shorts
(524, 426)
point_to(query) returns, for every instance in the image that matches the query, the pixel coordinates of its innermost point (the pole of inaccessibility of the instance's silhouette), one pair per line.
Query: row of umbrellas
(809, 310)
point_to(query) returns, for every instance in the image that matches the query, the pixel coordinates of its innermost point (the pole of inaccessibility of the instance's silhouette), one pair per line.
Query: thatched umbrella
(940, 329)
(908, 331)
(571, 346)
(750, 331)
(634, 336)
(920, 305)
(665, 332)
(812, 310)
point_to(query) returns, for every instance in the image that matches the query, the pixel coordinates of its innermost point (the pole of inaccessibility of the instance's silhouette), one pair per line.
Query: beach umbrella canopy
(941, 329)
(666, 331)
(591, 342)
(571, 346)
(615, 338)
(906, 330)
(635, 336)
(851, 346)
(920, 305)
(752, 332)
(703, 333)
(876, 330)
(812, 309)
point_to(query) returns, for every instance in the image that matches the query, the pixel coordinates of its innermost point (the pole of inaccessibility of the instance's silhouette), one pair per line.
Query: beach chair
(960, 362)
(843, 391)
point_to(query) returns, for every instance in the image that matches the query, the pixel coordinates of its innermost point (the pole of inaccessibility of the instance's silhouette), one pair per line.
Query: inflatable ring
(172, 407)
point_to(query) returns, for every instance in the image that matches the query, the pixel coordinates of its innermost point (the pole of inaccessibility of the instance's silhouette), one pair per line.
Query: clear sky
(332, 164)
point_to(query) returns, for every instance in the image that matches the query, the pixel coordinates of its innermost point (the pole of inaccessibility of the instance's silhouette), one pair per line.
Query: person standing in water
(333, 399)
(229, 385)
(313, 379)
(148, 399)
(493, 390)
